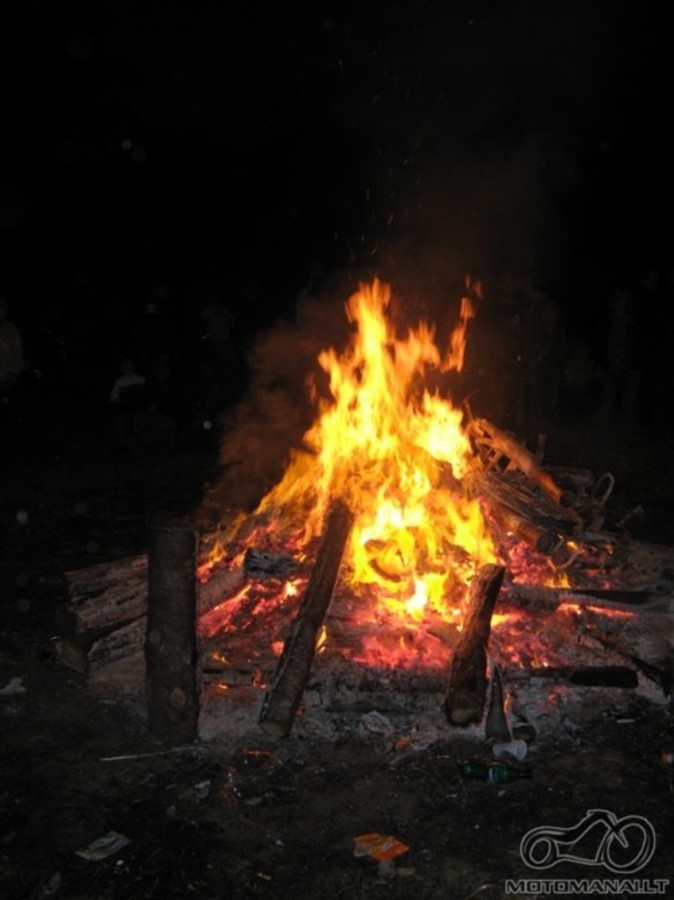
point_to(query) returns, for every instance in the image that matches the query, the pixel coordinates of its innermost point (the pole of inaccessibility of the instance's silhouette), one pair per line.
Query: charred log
(653, 672)
(292, 672)
(534, 597)
(467, 684)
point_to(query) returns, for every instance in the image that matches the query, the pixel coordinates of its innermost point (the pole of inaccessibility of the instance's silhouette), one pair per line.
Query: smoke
(478, 124)
(469, 131)
(280, 402)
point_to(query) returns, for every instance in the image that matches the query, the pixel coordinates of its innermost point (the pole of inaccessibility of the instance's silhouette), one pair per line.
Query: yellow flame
(396, 454)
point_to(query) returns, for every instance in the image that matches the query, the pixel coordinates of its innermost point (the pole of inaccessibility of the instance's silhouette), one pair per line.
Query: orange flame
(396, 454)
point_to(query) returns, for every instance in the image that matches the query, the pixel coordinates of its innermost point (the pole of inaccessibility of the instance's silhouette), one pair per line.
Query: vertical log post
(171, 679)
(467, 684)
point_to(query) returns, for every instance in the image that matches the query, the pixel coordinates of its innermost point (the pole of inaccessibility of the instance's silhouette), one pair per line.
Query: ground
(233, 819)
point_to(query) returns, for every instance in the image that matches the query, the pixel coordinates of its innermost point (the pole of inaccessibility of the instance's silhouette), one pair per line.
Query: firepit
(413, 560)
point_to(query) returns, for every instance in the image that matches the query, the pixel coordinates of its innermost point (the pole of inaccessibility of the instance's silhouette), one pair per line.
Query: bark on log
(120, 643)
(107, 593)
(172, 682)
(467, 684)
(292, 672)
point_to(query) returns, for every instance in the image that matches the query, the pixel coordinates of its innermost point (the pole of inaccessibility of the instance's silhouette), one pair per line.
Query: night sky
(153, 152)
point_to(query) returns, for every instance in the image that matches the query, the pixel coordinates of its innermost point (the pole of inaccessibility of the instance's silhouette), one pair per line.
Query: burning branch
(294, 665)
(499, 445)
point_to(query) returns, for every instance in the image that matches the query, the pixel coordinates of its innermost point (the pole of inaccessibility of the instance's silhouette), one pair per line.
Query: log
(89, 650)
(114, 593)
(92, 580)
(262, 564)
(112, 597)
(539, 538)
(535, 597)
(171, 676)
(504, 444)
(467, 683)
(120, 643)
(292, 672)
(655, 673)
(107, 593)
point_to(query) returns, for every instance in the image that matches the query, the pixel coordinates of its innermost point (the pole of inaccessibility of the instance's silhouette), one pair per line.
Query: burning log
(502, 445)
(262, 564)
(171, 682)
(533, 534)
(467, 685)
(292, 672)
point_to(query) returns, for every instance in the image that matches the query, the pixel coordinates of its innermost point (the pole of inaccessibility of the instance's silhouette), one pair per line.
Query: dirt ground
(278, 819)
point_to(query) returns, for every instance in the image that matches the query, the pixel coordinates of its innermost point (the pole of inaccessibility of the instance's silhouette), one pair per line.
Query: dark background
(156, 153)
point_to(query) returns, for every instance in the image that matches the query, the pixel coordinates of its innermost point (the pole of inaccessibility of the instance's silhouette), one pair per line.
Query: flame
(396, 454)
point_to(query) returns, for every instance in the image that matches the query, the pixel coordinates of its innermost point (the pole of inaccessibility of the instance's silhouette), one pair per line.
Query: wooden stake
(467, 685)
(292, 672)
(171, 683)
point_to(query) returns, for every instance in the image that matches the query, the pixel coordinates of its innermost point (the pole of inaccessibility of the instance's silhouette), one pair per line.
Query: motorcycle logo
(622, 845)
